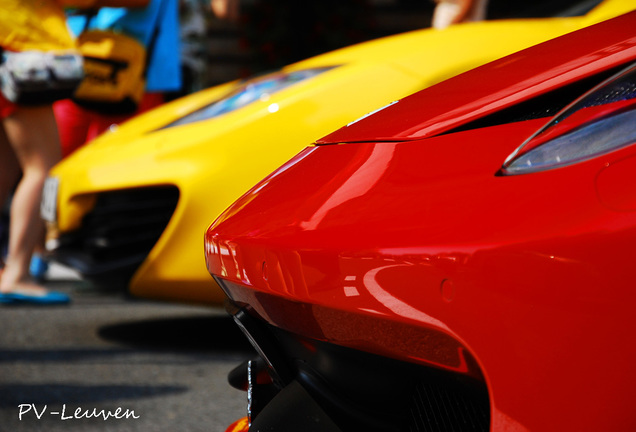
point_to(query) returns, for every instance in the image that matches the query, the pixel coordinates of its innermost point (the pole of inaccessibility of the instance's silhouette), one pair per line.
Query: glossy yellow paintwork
(213, 162)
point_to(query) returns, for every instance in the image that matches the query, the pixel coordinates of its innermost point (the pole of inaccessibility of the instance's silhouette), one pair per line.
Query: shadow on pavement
(199, 333)
(48, 393)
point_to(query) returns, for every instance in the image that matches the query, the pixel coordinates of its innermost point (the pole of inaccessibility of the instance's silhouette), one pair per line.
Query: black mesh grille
(543, 106)
(117, 235)
(128, 222)
(363, 391)
(624, 89)
(449, 407)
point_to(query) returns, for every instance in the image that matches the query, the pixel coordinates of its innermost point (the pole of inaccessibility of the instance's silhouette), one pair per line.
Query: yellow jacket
(33, 24)
(41, 24)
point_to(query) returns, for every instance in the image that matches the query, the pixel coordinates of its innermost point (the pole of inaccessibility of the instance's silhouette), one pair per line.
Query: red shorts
(77, 125)
(6, 108)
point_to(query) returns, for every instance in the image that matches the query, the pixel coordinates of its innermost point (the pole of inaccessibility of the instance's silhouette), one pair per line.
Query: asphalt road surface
(164, 366)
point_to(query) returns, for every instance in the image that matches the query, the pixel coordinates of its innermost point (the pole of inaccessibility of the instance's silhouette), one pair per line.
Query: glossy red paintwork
(528, 74)
(417, 250)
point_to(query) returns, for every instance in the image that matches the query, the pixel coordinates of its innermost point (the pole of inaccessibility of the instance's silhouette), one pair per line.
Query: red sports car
(462, 260)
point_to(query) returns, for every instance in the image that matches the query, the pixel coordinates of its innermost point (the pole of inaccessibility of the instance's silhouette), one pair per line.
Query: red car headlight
(600, 121)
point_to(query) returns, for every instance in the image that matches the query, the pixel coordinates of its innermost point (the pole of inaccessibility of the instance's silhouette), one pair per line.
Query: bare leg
(9, 168)
(448, 12)
(33, 135)
(9, 174)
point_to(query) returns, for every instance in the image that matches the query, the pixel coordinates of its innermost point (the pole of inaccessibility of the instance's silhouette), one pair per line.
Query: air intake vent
(128, 222)
(120, 231)
(543, 106)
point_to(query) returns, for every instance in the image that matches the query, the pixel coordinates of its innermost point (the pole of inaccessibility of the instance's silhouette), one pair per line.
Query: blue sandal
(49, 298)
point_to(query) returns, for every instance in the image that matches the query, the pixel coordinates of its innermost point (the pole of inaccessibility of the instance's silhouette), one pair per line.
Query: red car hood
(418, 251)
(474, 95)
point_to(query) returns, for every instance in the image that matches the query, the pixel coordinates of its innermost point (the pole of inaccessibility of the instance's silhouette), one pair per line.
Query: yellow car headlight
(260, 88)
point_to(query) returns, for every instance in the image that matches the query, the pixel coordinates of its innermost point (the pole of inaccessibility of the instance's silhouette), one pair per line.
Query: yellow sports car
(132, 206)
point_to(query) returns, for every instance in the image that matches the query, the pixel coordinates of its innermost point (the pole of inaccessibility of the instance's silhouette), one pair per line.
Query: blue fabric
(164, 68)
(38, 267)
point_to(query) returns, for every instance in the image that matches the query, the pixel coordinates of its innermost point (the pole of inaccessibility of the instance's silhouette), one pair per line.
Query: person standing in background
(29, 145)
(193, 26)
(29, 138)
(156, 26)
